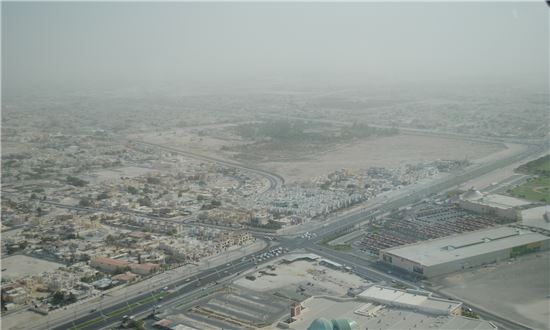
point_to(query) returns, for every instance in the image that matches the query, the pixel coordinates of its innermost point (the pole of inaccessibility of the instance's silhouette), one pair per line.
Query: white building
(409, 300)
(462, 251)
(493, 204)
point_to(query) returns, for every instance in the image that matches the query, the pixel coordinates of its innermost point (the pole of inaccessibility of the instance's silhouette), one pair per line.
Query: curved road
(274, 179)
(341, 223)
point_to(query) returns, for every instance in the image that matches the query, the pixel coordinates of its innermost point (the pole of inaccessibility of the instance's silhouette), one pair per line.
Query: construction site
(260, 297)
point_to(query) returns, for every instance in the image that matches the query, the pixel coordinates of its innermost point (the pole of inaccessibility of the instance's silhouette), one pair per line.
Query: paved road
(350, 219)
(178, 288)
(275, 180)
(337, 225)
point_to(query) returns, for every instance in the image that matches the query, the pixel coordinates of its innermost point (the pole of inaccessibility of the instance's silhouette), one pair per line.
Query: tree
(110, 239)
(102, 196)
(135, 324)
(153, 180)
(145, 202)
(58, 297)
(85, 202)
(74, 181)
(71, 298)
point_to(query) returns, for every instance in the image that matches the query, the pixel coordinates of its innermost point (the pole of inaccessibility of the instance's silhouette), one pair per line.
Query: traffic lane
(102, 311)
(211, 275)
(371, 274)
(359, 216)
(211, 279)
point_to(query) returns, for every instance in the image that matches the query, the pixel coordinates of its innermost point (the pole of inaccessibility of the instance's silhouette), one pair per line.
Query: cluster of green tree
(58, 297)
(85, 202)
(110, 239)
(102, 196)
(136, 324)
(540, 166)
(271, 224)
(212, 205)
(171, 232)
(470, 314)
(153, 180)
(77, 182)
(277, 130)
(17, 156)
(360, 130)
(9, 163)
(301, 131)
(91, 278)
(145, 201)
(68, 236)
(12, 248)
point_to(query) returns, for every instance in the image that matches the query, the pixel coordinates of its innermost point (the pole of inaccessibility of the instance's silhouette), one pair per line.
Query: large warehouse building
(454, 253)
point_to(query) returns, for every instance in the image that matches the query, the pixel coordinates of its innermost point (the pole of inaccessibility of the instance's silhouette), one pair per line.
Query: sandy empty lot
(115, 173)
(302, 272)
(391, 151)
(20, 265)
(517, 290)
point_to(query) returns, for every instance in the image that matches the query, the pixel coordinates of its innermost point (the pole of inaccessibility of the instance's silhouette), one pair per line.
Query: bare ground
(389, 151)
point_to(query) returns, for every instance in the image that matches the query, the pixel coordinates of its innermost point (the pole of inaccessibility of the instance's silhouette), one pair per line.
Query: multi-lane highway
(110, 315)
(174, 288)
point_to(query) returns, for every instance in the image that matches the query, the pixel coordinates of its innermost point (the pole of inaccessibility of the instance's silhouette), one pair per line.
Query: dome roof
(320, 324)
(472, 194)
(344, 324)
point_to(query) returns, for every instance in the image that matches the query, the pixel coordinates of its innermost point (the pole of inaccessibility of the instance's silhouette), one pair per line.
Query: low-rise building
(418, 301)
(454, 253)
(109, 265)
(144, 269)
(493, 204)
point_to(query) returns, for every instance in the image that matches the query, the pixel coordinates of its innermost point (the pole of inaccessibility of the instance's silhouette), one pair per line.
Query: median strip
(119, 311)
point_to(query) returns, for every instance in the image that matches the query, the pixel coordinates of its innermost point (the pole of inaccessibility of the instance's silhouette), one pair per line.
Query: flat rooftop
(372, 316)
(534, 217)
(462, 246)
(392, 296)
(501, 201)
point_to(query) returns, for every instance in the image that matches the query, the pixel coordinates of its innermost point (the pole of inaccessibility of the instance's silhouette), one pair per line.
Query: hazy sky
(122, 44)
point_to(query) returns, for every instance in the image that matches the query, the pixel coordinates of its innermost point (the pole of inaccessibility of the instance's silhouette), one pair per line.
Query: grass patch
(539, 166)
(87, 323)
(119, 311)
(341, 247)
(535, 189)
(471, 315)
